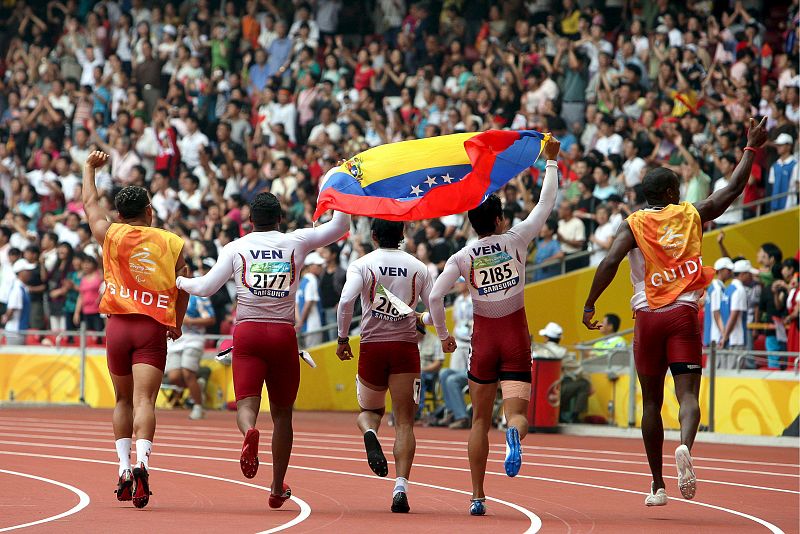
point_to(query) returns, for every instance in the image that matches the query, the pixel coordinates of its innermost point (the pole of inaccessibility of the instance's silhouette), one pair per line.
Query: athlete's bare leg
(652, 426)
(122, 419)
(401, 388)
(247, 413)
(146, 384)
(482, 396)
(516, 411)
(370, 419)
(687, 389)
(282, 439)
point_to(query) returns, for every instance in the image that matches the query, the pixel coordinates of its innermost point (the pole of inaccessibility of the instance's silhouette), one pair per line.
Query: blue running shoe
(513, 452)
(477, 506)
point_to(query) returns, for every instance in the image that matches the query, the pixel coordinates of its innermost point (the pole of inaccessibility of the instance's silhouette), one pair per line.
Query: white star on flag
(416, 190)
(431, 181)
(447, 178)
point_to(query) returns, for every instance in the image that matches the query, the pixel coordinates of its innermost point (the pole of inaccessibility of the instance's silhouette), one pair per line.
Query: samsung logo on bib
(667, 276)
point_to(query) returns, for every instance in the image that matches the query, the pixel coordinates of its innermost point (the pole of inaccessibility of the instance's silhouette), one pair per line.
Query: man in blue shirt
(259, 73)
(784, 174)
(547, 248)
(18, 309)
(279, 52)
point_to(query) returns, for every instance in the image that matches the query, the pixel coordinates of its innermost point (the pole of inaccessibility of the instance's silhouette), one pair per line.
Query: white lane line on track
(305, 509)
(166, 443)
(535, 521)
(83, 500)
(359, 448)
(758, 520)
(191, 428)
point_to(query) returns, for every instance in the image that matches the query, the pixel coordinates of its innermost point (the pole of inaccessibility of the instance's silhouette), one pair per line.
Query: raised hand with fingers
(97, 159)
(757, 133)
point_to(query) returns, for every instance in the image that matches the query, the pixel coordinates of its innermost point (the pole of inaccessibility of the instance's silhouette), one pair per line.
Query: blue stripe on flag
(398, 187)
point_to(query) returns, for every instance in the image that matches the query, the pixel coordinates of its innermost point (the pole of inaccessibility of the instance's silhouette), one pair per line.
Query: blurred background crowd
(207, 103)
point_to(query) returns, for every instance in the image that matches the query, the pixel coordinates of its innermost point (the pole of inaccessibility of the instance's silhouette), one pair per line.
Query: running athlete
(144, 308)
(664, 245)
(494, 267)
(266, 264)
(390, 283)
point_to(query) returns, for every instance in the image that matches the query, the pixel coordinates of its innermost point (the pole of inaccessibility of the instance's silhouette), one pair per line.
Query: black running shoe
(141, 486)
(400, 503)
(124, 491)
(375, 457)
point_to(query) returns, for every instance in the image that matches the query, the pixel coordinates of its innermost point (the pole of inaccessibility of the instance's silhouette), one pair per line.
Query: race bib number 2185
(493, 273)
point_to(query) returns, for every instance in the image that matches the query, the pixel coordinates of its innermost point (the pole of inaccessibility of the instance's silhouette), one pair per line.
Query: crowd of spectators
(209, 103)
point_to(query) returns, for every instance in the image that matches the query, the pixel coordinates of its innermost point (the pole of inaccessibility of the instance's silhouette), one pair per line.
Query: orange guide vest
(139, 272)
(671, 241)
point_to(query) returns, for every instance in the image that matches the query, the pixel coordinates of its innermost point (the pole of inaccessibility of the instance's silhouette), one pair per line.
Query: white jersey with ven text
(266, 268)
(390, 283)
(494, 266)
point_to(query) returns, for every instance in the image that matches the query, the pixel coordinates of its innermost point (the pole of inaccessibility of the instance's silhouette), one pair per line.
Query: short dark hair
(552, 224)
(265, 210)
(790, 262)
(483, 218)
(388, 234)
(131, 201)
(614, 320)
(6, 231)
(656, 183)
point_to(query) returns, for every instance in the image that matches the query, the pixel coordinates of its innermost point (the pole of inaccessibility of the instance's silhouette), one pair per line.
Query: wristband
(587, 309)
(343, 340)
(751, 149)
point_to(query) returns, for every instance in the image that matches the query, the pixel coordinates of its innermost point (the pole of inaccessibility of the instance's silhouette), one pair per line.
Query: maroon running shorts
(134, 338)
(266, 353)
(501, 349)
(376, 361)
(662, 338)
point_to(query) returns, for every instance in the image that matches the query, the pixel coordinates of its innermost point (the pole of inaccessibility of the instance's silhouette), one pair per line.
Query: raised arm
(97, 214)
(716, 204)
(212, 281)
(532, 225)
(327, 233)
(623, 243)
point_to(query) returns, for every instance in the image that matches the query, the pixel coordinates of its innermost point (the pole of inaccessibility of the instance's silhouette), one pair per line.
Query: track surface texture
(58, 470)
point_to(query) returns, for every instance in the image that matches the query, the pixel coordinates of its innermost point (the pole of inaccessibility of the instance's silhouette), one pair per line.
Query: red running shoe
(276, 501)
(141, 486)
(249, 459)
(124, 491)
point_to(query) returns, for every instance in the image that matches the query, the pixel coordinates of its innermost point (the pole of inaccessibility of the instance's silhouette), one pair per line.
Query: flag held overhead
(427, 178)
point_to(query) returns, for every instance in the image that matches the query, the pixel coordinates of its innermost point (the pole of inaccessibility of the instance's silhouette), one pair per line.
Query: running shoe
(400, 503)
(477, 506)
(656, 498)
(197, 412)
(375, 457)
(124, 491)
(513, 452)
(249, 459)
(687, 482)
(141, 486)
(276, 501)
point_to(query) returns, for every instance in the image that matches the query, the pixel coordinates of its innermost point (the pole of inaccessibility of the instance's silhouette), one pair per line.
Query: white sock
(124, 454)
(143, 448)
(400, 485)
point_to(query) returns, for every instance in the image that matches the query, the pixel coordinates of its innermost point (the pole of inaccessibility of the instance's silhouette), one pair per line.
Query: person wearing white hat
(784, 175)
(309, 309)
(712, 319)
(664, 245)
(733, 312)
(18, 308)
(265, 264)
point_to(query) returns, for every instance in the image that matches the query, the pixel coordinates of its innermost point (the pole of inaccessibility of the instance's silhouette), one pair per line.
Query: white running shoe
(687, 482)
(659, 498)
(197, 412)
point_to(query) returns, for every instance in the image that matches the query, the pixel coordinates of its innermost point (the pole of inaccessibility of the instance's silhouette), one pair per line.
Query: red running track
(58, 468)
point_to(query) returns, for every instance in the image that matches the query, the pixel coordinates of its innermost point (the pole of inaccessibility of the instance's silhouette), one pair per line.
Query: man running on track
(144, 308)
(390, 282)
(494, 267)
(266, 264)
(664, 243)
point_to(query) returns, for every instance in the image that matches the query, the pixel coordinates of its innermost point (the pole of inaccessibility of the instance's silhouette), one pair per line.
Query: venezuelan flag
(427, 178)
